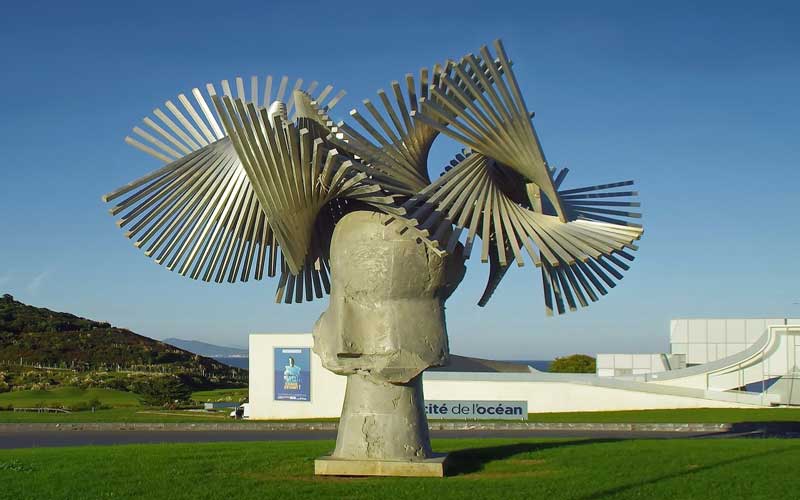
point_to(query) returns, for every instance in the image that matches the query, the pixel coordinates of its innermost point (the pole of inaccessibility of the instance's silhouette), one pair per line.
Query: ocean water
(237, 362)
(539, 364)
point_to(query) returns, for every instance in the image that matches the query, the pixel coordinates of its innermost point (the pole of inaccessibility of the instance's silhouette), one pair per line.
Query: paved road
(31, 439)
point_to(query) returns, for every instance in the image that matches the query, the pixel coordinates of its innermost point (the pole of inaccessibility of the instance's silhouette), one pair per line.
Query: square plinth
(430, 467)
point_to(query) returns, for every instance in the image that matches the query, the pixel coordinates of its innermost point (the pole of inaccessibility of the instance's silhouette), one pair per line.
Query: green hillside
(35, 337)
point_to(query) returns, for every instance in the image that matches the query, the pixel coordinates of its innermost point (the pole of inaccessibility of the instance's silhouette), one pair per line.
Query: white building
(755, 371)
(617, 365)
(692, 342)
(706, 340)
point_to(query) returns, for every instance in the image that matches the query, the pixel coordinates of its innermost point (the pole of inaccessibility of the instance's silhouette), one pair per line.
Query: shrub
(117, 383)
(88, 405)
(163, 391)
(576, 363)
(49, 404)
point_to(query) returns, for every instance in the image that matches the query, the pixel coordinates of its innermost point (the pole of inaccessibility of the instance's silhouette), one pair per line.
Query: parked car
(242, 411)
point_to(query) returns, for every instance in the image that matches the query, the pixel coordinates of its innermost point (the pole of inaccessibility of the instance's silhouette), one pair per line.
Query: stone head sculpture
(386, 310)
(257, 185)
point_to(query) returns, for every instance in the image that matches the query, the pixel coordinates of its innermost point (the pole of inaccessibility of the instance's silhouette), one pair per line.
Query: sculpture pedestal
(383, 431)
(383, 421)
(430, 467)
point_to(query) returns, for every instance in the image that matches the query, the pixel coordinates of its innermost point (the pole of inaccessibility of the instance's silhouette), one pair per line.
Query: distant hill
(206, 349)
(34, 336)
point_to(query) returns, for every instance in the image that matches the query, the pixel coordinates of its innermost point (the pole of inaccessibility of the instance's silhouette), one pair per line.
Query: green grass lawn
(67, 396)
(111, 397)
(127, 408)
(486, 469)
(679, 416)
(117, 415)
(233, 395)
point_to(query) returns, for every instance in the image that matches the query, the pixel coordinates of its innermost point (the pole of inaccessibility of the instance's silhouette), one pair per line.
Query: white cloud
(36, 283)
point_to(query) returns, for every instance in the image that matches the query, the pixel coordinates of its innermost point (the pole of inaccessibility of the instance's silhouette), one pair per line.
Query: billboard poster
(292, 374)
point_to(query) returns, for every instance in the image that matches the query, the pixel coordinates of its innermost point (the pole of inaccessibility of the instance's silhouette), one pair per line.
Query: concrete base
(429, 467)
(383, 421)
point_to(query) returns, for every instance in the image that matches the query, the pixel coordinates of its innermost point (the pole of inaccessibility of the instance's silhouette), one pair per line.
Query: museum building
(711, 363)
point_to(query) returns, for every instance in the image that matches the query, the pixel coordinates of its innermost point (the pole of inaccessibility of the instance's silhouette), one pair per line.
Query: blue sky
(698, 103)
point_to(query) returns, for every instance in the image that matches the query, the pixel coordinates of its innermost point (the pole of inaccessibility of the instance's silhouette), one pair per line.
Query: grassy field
(127, 408)
(111, 397)
(679, 416)
(487, 468)
(233, 395)
(117, 415)
(67, 396)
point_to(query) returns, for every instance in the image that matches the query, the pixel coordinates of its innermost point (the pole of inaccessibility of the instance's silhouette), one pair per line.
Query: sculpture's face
(386, 312)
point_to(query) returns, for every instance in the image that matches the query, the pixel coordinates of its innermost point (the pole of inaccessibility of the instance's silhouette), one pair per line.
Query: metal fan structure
(255, 182)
